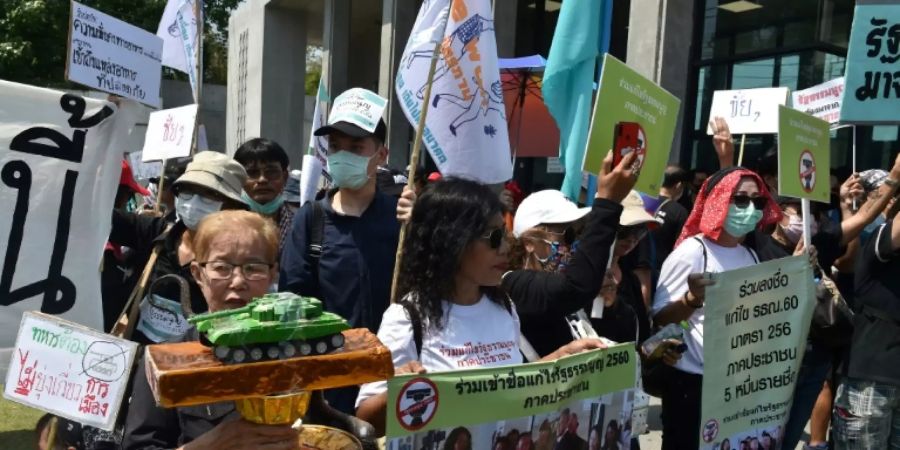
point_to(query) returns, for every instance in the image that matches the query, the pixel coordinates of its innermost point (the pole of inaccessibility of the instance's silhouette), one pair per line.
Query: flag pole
(741, 154)
(414, 163)
(198, 64)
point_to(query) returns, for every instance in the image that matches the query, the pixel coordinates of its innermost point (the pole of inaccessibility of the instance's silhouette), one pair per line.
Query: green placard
(754, 335)
(804, 156)
(626, 96)
(418, 404)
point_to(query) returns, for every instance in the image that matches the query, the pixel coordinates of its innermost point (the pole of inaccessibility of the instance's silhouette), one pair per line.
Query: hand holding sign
(722, 141)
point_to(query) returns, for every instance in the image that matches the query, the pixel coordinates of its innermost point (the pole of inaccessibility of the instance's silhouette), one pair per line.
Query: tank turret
(274, 326)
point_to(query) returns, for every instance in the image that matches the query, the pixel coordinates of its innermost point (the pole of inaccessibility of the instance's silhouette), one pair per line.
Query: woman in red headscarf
(732, 203)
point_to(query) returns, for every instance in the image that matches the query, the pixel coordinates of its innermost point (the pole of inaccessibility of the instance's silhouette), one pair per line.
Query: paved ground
(653, 440)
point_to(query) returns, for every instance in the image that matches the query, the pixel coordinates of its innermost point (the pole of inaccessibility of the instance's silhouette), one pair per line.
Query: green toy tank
(274, 326)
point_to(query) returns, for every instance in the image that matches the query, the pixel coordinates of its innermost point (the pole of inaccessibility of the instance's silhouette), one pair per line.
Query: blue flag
(569, 80)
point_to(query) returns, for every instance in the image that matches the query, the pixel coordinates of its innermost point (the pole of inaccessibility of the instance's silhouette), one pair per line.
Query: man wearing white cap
(341, 249)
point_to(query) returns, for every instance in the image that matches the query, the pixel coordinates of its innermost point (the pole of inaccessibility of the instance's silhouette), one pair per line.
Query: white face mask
(192, 208)
(794, 229)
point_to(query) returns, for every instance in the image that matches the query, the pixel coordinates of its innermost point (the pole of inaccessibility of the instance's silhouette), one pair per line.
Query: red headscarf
(711, 207)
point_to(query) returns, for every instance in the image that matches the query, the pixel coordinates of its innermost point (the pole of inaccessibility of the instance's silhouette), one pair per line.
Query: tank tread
(281, 350)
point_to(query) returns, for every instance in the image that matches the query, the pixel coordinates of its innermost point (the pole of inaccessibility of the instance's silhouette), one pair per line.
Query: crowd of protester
(233, 229)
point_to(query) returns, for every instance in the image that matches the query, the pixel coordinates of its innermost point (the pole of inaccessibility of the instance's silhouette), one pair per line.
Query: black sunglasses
(495, 237)
(743, 200)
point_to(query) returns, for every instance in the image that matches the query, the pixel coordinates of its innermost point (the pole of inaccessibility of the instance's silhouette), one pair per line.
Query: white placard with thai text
(69, 370)
(822, 101)
(113, 56)
(170, 133)
(749, 111)
(60, 161)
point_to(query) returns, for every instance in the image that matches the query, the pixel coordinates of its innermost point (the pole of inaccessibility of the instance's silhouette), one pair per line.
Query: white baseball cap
(548, 206)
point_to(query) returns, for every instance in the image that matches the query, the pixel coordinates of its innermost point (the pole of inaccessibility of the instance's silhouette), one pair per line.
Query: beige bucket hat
(216, 171)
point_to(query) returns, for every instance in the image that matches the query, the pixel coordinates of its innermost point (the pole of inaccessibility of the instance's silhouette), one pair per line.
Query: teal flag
(569, 81)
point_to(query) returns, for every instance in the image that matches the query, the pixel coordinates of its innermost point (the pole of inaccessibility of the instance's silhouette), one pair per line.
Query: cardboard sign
(626, 96)
(873, 86)
(804, 156)
(113, 56)
(755, 327)
(822, 101)
(359, 107)
(170, 133)
(749, 111)
(577, 393)
(69, 370)
(60, 158)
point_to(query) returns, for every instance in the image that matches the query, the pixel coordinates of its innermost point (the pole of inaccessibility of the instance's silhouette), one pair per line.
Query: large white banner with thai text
(465, 128)
(60, 159)
(113, 56)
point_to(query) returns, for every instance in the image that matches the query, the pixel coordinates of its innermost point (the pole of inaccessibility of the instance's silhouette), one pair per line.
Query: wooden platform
(185, 374)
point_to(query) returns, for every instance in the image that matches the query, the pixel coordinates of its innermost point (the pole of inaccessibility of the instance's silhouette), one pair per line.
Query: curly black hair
(448, 216)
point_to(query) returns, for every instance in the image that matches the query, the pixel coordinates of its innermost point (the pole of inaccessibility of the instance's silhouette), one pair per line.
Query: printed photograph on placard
(602, 422)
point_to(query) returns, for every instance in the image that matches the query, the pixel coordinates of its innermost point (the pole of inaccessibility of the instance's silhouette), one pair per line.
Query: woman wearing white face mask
(211, 182)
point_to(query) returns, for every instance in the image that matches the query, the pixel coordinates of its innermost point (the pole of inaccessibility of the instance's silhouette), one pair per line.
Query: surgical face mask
(741, 221)
(192, 208)
(793, 231)
(348, 170)
(266, 209)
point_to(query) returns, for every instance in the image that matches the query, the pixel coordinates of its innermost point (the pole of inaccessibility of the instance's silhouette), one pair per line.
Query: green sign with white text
(804, 156)
(755, 327)
(626, 97)
(575, 393)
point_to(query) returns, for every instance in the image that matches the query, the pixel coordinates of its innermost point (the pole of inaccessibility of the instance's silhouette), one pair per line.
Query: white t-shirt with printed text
(686, 259)
(481, 335)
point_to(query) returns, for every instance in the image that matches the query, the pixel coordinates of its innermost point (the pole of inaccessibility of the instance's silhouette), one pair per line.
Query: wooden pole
(159, 187)
(741, 154)
(414, 163)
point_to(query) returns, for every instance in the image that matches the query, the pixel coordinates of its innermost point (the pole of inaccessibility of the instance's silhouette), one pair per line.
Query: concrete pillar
(336, 46)
(660, 49)
(283, 89)
(245, 70)
(396, 23)
(505, 15)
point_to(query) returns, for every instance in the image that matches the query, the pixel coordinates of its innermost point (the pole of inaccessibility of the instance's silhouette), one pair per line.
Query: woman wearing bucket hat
(211, 182)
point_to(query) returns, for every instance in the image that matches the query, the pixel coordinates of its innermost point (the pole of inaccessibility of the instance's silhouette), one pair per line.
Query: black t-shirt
(619, 322)
(875, 347)
(674, 215)
(827, 242)
(629, 290)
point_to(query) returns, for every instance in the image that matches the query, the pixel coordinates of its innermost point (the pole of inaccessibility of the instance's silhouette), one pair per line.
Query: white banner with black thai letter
(60, 160)
(113, 56)
(465, 128)
(822, 101)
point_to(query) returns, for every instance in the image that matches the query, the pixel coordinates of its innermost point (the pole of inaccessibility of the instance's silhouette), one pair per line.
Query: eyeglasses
(270, 173)
(743, 200)
(495, 237)
(567, 235)
(636, 232)
(221, 270)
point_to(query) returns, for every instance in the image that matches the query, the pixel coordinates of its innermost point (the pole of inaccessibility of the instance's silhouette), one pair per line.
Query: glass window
(753, 74)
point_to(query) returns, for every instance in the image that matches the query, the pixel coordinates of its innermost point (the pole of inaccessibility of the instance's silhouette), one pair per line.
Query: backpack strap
(317, 232)
(416, 322)
(705, 256)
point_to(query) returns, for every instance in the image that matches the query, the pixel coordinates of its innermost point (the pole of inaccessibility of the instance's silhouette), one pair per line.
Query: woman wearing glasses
(235, 254)
(732, 203)
(455, 312)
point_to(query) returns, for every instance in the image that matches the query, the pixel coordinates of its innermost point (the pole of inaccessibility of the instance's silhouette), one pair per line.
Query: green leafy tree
(34, 35)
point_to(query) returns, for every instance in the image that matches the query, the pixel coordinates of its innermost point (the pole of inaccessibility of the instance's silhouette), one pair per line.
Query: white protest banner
(822, 101)
(60, 160)
(309, 178)
(68, 370)
(465, 128)
(170, 133)
(113, 56)
(318, 145)
(143, 170)
(749, 111)
(755, 327)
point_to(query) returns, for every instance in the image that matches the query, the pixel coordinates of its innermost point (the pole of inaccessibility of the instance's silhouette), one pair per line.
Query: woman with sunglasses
(453, 286)
(732, 203)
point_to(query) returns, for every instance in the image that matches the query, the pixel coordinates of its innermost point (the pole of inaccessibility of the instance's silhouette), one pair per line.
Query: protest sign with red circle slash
(417, 403)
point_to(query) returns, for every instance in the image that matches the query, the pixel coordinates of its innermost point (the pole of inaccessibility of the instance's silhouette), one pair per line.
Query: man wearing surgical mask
(211, 182)
(341, 248)
(267, 175)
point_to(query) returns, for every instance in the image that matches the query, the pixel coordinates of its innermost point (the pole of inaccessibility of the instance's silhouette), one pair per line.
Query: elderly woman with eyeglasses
(235, 260)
